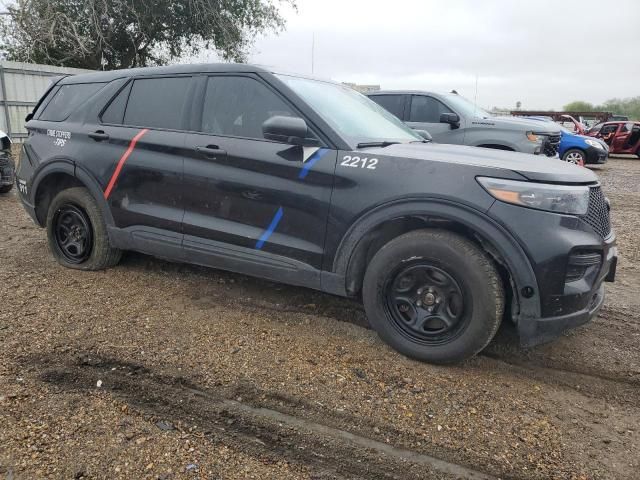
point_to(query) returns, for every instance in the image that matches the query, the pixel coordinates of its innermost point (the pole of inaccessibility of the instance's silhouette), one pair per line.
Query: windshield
(465, 107)
(351, 114)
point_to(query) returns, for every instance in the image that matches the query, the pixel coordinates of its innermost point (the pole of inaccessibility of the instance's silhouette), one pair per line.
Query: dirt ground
(153, 370)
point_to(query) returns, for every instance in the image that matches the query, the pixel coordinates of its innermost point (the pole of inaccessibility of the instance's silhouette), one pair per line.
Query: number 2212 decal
(357, 162)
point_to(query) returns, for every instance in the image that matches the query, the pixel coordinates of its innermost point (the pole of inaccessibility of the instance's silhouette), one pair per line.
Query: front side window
(238, 106)
(392, 103)
(427, 109)
(67, 99)
(157, 102)
(356, 118)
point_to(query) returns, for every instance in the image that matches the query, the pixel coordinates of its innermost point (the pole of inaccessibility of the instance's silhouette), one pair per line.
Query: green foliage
(111, 34)
(579, 106)
(619, 106)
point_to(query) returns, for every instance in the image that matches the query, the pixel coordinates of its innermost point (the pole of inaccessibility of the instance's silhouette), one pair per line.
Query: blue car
(579, 149)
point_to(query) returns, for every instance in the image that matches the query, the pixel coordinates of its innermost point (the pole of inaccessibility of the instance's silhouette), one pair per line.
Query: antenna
(475, 98)
(313, 51)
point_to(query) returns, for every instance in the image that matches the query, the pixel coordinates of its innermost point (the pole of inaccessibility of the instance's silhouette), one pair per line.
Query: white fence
(21, 86)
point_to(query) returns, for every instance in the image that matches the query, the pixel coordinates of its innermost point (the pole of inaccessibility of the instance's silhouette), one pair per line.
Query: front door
(246, 196)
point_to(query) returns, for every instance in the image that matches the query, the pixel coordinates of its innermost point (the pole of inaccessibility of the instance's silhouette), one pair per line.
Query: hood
(522, 124)
(537, 168)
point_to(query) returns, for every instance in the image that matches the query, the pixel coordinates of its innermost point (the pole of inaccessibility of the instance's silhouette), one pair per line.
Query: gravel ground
(165, 371)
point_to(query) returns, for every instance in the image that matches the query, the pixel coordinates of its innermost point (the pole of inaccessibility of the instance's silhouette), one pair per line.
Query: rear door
(141, 139)
(620, 142)
(248, 197)
(394, 103)
(424, 114)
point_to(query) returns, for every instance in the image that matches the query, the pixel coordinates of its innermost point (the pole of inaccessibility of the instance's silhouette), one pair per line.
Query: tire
(6, 188)
(465, 287)
(77, 232)
(575, 156)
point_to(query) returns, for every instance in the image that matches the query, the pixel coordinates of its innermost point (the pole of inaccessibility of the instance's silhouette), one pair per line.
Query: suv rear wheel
(434, 296)
(6, 188)
(77, 232)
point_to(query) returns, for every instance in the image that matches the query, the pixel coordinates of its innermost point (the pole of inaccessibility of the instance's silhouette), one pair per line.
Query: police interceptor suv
(309, 183)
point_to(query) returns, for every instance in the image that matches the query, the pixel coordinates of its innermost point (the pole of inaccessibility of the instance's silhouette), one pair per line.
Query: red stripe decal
(121, 162)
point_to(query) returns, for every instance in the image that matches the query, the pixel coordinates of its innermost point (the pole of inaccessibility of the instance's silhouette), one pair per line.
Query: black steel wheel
(426, 303)
(73, 233)
(77, 231)
(433, 295)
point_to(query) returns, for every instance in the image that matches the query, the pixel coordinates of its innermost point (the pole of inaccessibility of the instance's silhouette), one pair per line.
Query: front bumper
(595, 156)
(571, 257)
(7, 170)
(535, 331)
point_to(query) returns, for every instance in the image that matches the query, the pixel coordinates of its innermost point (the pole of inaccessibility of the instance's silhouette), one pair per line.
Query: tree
(579, 106)
(111, 34)
(620, 106)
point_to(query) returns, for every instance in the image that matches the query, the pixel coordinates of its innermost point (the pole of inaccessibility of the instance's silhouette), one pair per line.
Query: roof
(406, 92)
(166, 70)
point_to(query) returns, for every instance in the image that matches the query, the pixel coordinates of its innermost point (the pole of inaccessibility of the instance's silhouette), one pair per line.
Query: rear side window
(427, 109)
(67, 99)
(157, 102)
(392, 103)
(238, 106)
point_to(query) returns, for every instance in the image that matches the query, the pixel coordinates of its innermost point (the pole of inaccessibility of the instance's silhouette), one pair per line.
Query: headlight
(535, 137)
(594, 143)
(541, 196)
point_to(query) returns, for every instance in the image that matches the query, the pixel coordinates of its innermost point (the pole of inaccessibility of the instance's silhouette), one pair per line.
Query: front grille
(551, 145)
(597, 216)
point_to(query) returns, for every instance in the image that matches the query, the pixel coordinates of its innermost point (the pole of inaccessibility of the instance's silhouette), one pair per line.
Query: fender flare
(69, 167)
(506, 246)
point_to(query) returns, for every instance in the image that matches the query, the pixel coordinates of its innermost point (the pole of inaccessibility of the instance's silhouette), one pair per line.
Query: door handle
(99, 135)
(211, 151)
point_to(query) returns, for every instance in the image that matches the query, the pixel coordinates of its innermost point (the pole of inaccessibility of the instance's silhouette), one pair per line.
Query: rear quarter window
(67, 99)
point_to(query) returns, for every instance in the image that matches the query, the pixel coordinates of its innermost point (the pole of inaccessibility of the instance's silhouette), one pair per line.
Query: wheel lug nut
(419, 303)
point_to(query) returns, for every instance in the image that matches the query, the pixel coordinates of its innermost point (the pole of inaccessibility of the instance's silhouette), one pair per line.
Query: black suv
(309, 183)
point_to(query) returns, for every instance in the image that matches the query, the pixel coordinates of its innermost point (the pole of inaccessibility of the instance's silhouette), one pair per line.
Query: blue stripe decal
(272, 226)
(309, 163)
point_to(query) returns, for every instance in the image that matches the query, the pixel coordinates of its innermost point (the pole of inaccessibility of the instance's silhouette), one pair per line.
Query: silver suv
(451, 118)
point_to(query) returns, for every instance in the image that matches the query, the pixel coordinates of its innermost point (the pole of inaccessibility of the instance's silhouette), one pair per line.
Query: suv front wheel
(433, 296)
(77, 232)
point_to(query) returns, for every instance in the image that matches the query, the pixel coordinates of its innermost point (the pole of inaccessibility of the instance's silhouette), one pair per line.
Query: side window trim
(199, 97)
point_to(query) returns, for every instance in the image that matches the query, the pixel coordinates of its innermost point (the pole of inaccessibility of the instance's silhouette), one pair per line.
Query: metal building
(21, 86)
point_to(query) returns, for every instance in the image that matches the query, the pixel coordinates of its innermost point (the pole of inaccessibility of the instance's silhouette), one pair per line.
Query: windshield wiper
(376, 144)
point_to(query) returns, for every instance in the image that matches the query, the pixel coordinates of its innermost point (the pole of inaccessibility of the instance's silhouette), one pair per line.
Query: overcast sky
(543, 53)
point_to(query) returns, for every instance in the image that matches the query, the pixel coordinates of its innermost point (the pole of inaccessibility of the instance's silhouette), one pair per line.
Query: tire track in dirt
(255, 430)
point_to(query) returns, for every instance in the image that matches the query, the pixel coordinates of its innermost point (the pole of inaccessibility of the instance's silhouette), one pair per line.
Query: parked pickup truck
(451, 118)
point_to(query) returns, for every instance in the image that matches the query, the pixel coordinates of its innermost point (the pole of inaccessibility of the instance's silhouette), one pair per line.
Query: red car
(622, 137)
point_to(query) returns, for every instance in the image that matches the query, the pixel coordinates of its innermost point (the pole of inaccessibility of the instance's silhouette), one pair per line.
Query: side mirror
(424, 134)
(451, 118)
(290, 130)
